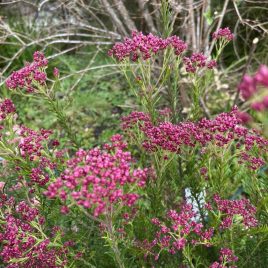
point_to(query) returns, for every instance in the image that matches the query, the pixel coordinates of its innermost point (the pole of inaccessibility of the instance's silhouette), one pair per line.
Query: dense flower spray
(98, 178)
(144, 46)
(233, 212)
(24, 242)
(197, 61)
(223, 33)
(32, 147)
(224, 129)
(182, 229)
(26, 148)
(31, 76)
(6, 107)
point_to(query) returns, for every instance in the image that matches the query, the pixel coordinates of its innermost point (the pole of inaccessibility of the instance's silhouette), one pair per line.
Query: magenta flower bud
(212, 64)
(247, 87)
(27, 77)
(262, 75)
(2, 184)
(203, 170)
(265, 102)
(56, 72)
(64, 210)
(244, 117)
(257, 106)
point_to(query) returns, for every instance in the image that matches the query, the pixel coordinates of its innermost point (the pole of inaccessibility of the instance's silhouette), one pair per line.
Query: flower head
(253, 86)
(6, 107)
(30, 76)
(99, 178)
(145, 46)
(223, 33)
(233, 208)
(196, 61)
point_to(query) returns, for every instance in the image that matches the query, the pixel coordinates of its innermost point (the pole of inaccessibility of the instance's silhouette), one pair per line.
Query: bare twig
(226, 2)
(147, 16)
(125, 15)
(118, 24)
(191, 24)
(204, 107)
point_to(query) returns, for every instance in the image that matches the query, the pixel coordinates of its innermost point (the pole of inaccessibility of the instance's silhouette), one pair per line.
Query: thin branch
(191, 24)
(204, 108)
(114, 17)
(125, 14)
(226, 2)
(147, 16)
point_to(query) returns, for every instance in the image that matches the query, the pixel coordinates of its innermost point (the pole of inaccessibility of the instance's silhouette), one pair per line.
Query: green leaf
(208, 17)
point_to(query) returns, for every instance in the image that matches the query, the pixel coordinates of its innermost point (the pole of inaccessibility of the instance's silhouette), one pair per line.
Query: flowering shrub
(226, 257)
(24, 242)
(176, 189)
(186, 232)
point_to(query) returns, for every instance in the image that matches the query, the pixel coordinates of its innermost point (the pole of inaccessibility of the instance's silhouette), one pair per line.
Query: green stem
(186, 254)
(114, 244)
(196, 96)
(63, 119)
(174, 98)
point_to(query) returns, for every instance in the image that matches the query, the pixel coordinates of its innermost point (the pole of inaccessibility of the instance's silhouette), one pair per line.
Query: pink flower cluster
(165, 112)
(183, 229)
(144, 46)
(56, 72)
(232, 208)
(250, 86)
(221, 131)
(223, 33)
(30, 145)
(31, 142)
(6, 107)
(140, 118)
(198, 60)
(27, 213)
(22, 244)
(227, 257)
(31, 75)
(99, 178)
